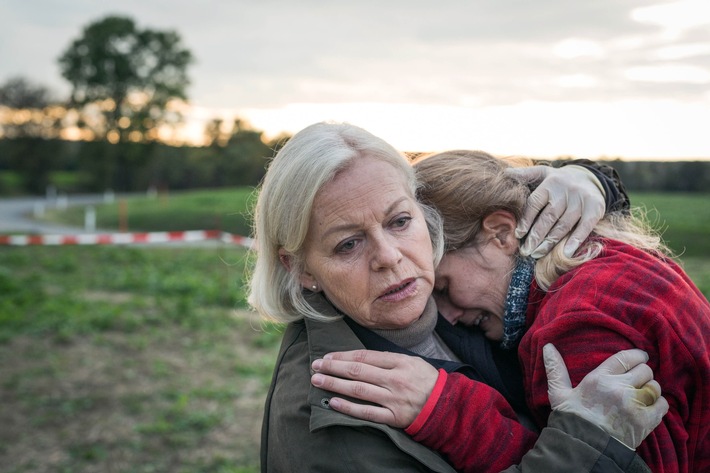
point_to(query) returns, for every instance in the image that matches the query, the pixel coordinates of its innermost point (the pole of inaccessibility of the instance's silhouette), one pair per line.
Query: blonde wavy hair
(466, 186)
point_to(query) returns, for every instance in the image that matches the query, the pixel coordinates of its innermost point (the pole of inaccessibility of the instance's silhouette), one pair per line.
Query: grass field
(145, 359)
(224, 209)
(129, 360)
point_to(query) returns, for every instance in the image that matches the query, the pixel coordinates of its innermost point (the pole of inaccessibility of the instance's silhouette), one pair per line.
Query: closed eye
(442, 290)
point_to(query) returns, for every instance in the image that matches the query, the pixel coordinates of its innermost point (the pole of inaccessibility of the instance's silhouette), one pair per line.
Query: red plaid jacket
(627, 298)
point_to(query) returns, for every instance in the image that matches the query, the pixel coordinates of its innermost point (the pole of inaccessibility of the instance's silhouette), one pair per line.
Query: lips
(398, 288)
(399, 291)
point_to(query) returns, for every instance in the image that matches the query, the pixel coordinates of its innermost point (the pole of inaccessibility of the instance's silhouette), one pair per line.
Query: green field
(145, 359)
(130, 360)
(225, 209)
(684, 221)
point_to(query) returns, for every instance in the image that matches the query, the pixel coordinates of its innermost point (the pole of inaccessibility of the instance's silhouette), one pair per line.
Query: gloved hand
(620, 395)
(567, 196)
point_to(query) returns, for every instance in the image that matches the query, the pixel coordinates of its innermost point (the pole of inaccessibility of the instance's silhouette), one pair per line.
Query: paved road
(17, 214)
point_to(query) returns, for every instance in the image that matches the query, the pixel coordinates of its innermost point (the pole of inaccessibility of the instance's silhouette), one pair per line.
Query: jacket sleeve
(473, 427)
(570, 443)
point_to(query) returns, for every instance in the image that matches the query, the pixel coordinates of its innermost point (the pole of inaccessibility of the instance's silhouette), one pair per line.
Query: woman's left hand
(399, 384)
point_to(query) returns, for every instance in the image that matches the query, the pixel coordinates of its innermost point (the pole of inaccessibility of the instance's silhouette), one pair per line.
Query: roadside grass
(130, 360)
(222, 209)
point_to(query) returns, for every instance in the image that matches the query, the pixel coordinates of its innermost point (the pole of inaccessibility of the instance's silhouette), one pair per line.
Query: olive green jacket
(301, 434)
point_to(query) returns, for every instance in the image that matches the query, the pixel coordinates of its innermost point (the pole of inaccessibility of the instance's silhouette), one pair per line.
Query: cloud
(271, 53)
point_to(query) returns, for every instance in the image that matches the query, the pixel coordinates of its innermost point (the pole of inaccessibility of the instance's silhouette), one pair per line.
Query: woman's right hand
(620, 395)
(399, 385)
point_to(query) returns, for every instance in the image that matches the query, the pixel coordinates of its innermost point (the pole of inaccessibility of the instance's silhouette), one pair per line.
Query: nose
(386, 253)
(449, 311)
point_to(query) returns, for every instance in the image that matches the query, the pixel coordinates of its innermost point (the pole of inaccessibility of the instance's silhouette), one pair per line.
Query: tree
(26, 110)
(19, 92)
(128, 75)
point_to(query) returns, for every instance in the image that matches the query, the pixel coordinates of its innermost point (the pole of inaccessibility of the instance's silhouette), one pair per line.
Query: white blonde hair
(308, 161)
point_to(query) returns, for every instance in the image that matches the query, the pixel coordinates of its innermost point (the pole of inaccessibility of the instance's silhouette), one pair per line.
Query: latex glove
(399, 384)
(620, 395)
(568, 199)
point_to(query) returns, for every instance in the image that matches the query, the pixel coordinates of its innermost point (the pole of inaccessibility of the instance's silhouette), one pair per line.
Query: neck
(414, 333)
(419, 337)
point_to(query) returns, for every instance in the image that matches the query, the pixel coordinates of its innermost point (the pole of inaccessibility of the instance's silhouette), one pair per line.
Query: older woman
(620, 290)
(346, 258)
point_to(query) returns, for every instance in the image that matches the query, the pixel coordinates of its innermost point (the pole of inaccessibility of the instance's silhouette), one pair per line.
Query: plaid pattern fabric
(626, 298)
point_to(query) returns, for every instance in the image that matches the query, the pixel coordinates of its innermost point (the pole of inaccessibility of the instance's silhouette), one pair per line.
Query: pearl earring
(314, 287)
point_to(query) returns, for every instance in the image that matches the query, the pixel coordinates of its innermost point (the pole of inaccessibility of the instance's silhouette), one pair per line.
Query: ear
(499, 227)
(285, 259)
(309, 282)
(306, 279)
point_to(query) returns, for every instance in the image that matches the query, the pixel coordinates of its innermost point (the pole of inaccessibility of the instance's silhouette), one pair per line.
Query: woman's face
(368, 246)
(471, 287)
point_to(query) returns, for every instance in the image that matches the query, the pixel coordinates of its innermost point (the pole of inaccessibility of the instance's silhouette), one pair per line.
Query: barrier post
(122, 216)
(90, 219)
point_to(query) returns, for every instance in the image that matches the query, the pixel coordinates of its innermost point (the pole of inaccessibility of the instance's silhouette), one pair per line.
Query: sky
(595, 79)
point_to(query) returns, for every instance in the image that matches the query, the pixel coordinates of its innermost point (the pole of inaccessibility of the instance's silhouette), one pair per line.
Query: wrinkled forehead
(366, 191)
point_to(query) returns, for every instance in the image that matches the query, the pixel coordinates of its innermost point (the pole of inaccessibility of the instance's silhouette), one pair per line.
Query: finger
(583, 229)
(535, 204)
(653, 414)
(352, 370)
(658, 409)
(649, 393)
(639, 375)
(557, 375)
(380, 359)
(559, 230)
(538, 243)
(541, 250)
(623, 361)
(354, 389)
(369, 412)
(529, 174)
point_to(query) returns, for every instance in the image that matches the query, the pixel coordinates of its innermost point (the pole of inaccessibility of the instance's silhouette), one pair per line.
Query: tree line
(30, 165)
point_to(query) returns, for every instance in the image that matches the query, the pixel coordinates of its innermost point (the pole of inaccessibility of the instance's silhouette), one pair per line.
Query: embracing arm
(570, 443)
(404, 383)
(459, 418)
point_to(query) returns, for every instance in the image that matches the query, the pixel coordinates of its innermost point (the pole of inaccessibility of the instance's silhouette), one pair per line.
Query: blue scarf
(516, 302)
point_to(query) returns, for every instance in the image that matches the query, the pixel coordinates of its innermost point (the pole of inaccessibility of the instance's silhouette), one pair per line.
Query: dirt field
(168, 400)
